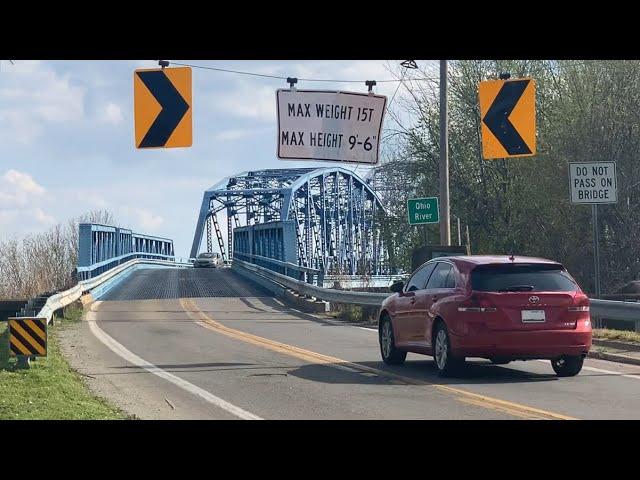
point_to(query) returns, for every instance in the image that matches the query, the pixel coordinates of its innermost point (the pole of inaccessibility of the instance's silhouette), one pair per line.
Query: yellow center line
(511, 408)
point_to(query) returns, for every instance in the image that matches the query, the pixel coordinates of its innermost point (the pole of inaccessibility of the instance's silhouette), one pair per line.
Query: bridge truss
(336, 213)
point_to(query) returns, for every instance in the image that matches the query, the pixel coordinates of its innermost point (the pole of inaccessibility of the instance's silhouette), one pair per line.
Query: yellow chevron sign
(508, 113)
(28, 337)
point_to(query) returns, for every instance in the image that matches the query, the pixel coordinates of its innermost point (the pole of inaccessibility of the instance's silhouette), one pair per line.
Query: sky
(67, 140)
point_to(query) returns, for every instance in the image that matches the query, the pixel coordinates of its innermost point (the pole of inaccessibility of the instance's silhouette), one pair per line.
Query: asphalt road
(193, 343)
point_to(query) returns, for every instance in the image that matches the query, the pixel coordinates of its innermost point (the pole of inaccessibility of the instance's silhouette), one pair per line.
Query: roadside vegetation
(618, 335)
(43, 262)
(50, 389)
(586, 111)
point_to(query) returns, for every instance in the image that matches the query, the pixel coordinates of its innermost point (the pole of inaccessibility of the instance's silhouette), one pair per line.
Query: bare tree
(44, 262)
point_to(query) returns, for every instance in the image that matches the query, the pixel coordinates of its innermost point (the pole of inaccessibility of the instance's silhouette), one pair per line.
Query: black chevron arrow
(173, 108)
(497, 118)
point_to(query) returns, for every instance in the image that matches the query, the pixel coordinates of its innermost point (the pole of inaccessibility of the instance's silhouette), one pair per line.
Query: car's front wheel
(567, 366)
(446, 362)
(391, 355)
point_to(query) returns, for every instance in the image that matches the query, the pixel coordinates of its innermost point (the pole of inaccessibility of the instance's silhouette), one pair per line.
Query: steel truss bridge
(326, 219)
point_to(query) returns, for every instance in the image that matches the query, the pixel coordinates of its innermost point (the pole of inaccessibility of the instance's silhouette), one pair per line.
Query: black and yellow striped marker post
(27, 338)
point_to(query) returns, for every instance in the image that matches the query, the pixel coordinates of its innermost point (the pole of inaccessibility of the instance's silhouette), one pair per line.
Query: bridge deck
(155, 283)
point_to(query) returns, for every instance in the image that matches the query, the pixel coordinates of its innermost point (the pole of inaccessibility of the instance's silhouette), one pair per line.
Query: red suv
(496, 307)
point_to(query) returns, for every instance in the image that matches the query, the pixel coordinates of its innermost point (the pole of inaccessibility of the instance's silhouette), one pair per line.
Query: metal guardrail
(609, 309)
(62, 299)
(273, 261)
(122, 257)
(311, 275)
(326, 294)
(616, 310)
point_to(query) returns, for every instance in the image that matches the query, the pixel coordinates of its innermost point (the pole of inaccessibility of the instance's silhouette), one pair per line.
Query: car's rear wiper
(517, 288)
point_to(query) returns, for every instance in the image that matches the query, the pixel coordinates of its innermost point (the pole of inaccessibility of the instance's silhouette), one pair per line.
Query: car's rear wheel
(568, 365)
(446, 362)
(391, 355)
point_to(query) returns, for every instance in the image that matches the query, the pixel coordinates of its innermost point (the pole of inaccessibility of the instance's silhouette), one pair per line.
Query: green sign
(423, 210)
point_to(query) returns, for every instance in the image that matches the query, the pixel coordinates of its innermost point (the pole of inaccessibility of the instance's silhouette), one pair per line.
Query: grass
(620, 335)
(50, 389)
(350, 313)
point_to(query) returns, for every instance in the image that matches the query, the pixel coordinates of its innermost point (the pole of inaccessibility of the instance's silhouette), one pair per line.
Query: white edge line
(131, 357)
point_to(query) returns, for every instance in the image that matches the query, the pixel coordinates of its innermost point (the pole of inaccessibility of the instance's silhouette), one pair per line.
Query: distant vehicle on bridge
(208, 260)
(496, 307)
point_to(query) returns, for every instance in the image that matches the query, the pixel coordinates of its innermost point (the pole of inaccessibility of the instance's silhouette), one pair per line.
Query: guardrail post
(24, 361)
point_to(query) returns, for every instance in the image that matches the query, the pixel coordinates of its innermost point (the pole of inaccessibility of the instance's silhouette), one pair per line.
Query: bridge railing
(85, 273)
(103, 247)
(308, 275)
(99, 285)
(249, 270)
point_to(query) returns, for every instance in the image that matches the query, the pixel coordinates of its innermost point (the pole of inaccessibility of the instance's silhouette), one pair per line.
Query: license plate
(533, 316)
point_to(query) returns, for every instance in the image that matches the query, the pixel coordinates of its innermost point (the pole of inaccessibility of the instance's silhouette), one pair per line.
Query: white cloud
(42, 217)
(34, 96)
(232, 135)
(20, 196)
(23, 181)
(18, 189)
(113, 113)
(249, 100)
(145, 219)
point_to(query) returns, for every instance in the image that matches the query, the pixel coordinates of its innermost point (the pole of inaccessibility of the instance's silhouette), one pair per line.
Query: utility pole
(445, 224)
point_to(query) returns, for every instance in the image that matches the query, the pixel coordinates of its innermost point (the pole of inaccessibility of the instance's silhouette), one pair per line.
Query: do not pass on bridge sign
(593, 182)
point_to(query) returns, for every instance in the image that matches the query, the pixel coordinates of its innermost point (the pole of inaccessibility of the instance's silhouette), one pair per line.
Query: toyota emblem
(534, 299)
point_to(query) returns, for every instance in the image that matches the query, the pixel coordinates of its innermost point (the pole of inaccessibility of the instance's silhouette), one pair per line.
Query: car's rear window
(206, 255)
(522, 277)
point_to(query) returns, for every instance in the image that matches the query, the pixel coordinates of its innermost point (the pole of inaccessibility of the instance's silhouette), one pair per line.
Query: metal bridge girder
(334, 211)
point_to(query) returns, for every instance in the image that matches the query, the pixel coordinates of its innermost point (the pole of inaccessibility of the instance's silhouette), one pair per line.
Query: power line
(279, 77)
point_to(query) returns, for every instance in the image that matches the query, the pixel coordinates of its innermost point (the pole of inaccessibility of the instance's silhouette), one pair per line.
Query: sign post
(593, 183)
(329, 125)
(596, 248)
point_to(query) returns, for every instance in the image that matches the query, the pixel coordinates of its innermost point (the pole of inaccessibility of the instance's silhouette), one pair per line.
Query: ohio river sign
(423, 210)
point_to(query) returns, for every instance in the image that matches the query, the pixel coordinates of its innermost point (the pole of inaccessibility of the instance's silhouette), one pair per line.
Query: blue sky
(67, 141)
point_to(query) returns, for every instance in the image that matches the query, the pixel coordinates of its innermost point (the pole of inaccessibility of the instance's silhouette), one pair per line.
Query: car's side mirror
(396, 287)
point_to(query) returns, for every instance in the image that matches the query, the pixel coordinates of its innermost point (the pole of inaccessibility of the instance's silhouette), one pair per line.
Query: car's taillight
(477, 305)
(581, 304)
(581, 308)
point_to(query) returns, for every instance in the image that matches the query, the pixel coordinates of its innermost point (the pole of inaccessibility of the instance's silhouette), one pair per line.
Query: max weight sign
(329, 125)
